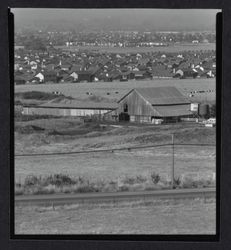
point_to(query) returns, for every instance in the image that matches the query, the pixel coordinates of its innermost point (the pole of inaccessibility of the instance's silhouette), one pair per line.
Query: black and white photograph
(115, 121)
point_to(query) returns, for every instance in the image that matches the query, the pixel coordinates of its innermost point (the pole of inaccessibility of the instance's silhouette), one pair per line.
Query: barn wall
(140, 118)
(136, 105)
(62, 111)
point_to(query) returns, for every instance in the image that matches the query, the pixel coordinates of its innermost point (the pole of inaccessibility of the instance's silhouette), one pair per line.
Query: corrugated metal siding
(162, 95)
(62, 112)
(173, 110)
(140, 118)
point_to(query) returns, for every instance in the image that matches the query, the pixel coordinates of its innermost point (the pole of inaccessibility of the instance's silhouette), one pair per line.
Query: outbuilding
(150, 104)
(71, 108)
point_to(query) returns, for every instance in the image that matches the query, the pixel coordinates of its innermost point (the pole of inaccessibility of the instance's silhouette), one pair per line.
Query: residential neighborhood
(56, 65)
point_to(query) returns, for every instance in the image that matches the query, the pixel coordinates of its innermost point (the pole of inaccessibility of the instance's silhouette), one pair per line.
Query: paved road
(59, 199)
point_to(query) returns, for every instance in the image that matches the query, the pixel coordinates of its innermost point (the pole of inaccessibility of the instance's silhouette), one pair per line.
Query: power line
(109, 150)
(95, 151)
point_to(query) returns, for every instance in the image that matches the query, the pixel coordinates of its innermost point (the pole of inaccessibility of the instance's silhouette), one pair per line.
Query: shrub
(99, 185)
(80, 180)
(32, 180)
(111, 182)
(177, 182)
(123, 188)
(35, 190)
(86, 188)
(110, 187)
(18, 190)
(155, 177)
(60, 180)
(51, 189)
(190, 183)
(129, 180)
(67, 190)
(61, 183)
(140, 179)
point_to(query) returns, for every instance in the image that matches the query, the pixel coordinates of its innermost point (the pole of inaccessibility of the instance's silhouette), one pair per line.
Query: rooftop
(67, 103)
(162, 95)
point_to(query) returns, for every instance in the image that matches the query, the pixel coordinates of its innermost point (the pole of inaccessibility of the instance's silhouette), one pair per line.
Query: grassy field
(172, 48)
(188, 160)
(113, 91)
(68, 135)
(196, 162)
(138, 217)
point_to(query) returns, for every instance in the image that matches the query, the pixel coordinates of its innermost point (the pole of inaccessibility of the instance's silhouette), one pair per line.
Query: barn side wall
(137, 105)
(62, 111)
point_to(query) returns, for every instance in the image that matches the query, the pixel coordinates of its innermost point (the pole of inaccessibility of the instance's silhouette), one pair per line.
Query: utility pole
(172, 177)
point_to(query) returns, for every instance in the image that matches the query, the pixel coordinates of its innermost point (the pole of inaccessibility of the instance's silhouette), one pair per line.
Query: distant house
(19, 80)
(49, 66)
(114, 75)
(161, 71)
(76, 67)
(125, 76)
(207, 74)
(140, 75)
(38, 78)
(148, 104)
(186, 73)
(80, 76)
(85, 76)
(65, 67)
(50, 76)
(208, 65)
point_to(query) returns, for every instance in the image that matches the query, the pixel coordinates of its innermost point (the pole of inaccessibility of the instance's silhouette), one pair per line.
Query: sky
(117, 19)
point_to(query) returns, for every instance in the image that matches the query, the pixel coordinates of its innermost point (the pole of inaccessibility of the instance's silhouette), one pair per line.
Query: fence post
(172, 177)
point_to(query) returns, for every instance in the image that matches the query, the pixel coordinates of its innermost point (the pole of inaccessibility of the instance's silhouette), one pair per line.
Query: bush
(190, 183)
(60, 180)
(140, 179)
(123, 188)
(18, 190)
(177, 182)
(155, 178)
(41, 190)
(129, 180)
(86, 188)
(32, 180)
(61, 183)
(134, 180)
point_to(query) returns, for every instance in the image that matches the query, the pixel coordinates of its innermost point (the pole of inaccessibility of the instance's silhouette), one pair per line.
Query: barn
(71, 108)
(165, 104)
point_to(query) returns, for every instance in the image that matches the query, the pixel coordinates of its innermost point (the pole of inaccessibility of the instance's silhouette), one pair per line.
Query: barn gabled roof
(162, 95)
